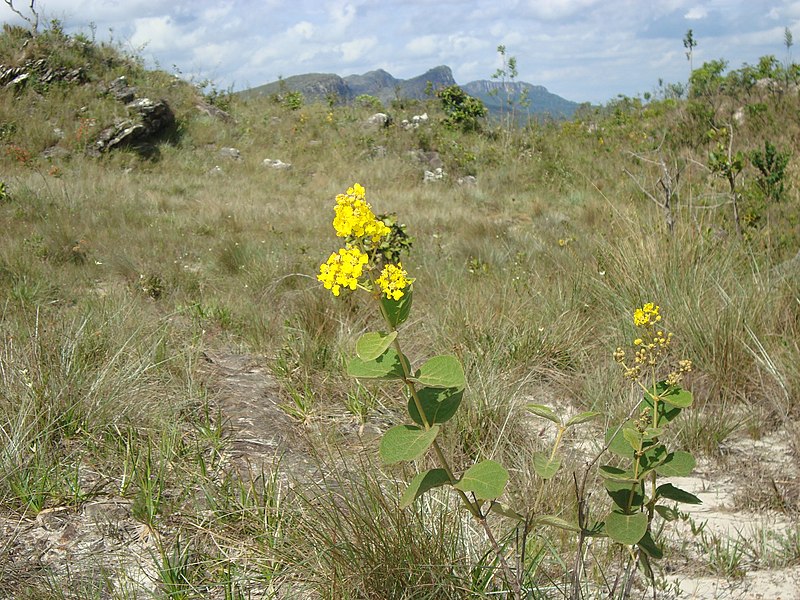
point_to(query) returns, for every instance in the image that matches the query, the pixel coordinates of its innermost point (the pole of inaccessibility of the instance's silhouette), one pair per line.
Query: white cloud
(696, 13)
(158, 34)
(303, 29)
(352, 51)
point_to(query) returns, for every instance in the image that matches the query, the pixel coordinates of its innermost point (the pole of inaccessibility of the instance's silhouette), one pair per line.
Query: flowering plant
(434, 390)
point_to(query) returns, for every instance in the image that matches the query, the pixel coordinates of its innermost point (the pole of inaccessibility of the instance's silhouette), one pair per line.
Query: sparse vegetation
(171, 373)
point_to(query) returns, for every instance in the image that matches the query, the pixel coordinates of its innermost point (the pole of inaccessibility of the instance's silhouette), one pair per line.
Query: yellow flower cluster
(647, 315)
(354, 216)
(393, 280)
(651, 348)
(342, 269)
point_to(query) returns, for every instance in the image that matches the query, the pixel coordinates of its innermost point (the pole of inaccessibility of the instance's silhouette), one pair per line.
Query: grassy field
(136, 295)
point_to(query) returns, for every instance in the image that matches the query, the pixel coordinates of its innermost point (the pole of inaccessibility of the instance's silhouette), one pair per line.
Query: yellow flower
(354, 216)
(393, 280)
(647, 315)
(342, 269)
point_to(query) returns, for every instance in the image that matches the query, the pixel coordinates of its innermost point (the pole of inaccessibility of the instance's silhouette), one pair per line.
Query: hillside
(553, 361)
(520, 99)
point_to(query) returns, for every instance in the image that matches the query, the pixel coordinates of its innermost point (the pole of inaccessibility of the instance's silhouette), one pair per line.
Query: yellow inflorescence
(354, 216)
(342, 269)
(647, 315)
(393, 281)
(650, 349)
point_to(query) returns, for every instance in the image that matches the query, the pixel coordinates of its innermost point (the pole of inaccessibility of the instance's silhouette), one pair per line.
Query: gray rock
(434, 176)
(149, 121)
(468, 180)
(274, 163)
(380, 120)
(214, 112)
(430, 159)
(121, 91)
(231, 153)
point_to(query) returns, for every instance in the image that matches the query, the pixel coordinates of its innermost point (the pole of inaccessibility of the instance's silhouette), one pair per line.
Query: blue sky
(583, 50)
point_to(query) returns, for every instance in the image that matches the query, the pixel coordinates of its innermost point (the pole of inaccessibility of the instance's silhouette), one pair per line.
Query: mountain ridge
(499, 97)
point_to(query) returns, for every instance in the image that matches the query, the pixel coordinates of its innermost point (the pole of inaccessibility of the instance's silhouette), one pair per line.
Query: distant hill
(497, 95)
(317, 86)
(382, 85)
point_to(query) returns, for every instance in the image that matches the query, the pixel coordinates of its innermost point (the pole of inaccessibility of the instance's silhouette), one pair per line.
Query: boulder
(379, 120)
(149, 120)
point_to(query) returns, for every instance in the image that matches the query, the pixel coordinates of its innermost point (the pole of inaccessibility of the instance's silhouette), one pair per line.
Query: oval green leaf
(423, 482)
(438, 404)
(583, 417)
(626, 529)
(386, 366)
(610, 473)
(406, 442)
(617, 443)
(677, 464)
(670, 492)
(624, 494)
(678, 397)
(540, 410)
(486, 479)
(544, 466)
(441, 372)
(371, 345)
(397, 311)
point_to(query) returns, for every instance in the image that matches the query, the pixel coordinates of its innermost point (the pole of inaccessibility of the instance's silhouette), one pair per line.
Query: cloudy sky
(583, 50)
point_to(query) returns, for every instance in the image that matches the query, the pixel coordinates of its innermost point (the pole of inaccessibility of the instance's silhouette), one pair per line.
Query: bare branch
(33, 20)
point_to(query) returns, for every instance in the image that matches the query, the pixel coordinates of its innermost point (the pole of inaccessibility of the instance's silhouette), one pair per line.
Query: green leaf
(677, 464)
(540, 410)
(651, 433)
(633, 436)
(386, 366)
(667, 512)
(666, 412)
(397, 311)
(406, 442)
(678, 397)
(648, 545)
(626, 529)
(583, 417)
(617, 443)
(652, 458)
(670, 492)
(544, 466)
(610, 473)
(371, 345)
(441, 372)
(438, 404)
(423, 482)
(502, 509)
(556, 522)
(625, 494)
(486, 479)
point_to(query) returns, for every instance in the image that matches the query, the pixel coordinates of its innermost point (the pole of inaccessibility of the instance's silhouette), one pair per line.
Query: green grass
(117, 276)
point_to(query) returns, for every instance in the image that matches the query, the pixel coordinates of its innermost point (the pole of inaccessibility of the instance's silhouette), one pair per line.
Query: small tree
(32, 20)
(462, 110)
(690, 44)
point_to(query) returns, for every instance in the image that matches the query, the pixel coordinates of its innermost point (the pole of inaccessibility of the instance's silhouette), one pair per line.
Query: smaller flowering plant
(633, 483)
